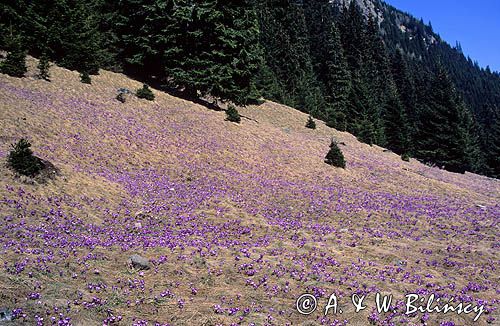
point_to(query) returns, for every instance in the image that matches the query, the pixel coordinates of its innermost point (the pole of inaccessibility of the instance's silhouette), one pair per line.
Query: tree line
(355, 72)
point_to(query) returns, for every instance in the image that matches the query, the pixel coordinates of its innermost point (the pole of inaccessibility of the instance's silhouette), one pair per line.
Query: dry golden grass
(76, 123)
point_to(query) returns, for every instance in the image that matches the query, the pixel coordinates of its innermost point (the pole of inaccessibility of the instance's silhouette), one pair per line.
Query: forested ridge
(382, 75)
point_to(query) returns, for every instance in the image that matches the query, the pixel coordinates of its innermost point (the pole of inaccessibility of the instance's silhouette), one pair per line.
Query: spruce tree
(362, 112)
(352, 27)
(327, 54)
(377, 62)
(43, 67)
(286, 45)
(475, 158)
(490, 140)
(442, 139)
(145, 93)
(376, 76)
(334, 156)
(22, 160)
(328, 61)
(81, 39)
(145, 34)
(366, 131)
(404, 84)
(85, 77)
(15, 63)
(242, 56)
(339, 84)
(210, 47)
(121, 97)
(232, 114)
(493, 147)
(396, 124)
(68, 30)
(311, 99)
(311, 124)
(267, 84)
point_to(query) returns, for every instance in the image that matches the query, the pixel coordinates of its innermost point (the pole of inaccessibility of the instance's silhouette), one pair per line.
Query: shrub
(405, 157)
(232, 114)
(15, 63)
(22, 160)
(334, 156)
(311, 124)
(43, 67)
(145, 93)
(85, 78)
(121, 97)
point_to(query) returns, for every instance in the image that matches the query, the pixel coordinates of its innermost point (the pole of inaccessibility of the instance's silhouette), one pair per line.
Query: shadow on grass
(160, 85)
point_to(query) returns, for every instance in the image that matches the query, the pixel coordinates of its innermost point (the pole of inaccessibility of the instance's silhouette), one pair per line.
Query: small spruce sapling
(311, 124)
(85, 77)
(232, 114)
(43, 67)
(145, 93)
(22, 160)
(334, 156)
(121, 97)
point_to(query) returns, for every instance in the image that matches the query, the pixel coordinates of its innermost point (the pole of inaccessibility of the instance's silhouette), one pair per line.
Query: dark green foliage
(442, 139)
(493, 149)
(81, 43)
(353, 31)
(145, 93)
(210, 47)
(336, 119)
(404, 84)
(491, 141)
(43, 68)
(368, 68)
(366, 131)
(232, 114)
(396, 126)
(334, 156)
(15, 63)
(66, 30)
(329, 64)
(85, 77)
(22, 160)
(268, 85)
(475, 158)
(286, 46)
(311, 124)
(405, 157)
(254, 96)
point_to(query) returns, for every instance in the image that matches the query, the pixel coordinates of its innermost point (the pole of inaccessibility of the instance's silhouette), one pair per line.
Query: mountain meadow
(208, 163)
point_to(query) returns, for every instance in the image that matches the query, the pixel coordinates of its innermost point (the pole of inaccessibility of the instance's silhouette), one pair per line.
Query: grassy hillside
(238, 220)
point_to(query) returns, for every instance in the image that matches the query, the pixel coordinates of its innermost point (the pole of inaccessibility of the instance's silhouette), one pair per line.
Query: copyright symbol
(306, 304)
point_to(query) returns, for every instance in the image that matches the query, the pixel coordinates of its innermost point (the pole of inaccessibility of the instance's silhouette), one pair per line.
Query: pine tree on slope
(396, 124)
(442, 139)
(43, 67)
(334, 156)
(15, 63)
(311, 124)
(328, 61)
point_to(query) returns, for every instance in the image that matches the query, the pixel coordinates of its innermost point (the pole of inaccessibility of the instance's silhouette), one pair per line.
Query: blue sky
(475, 24)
